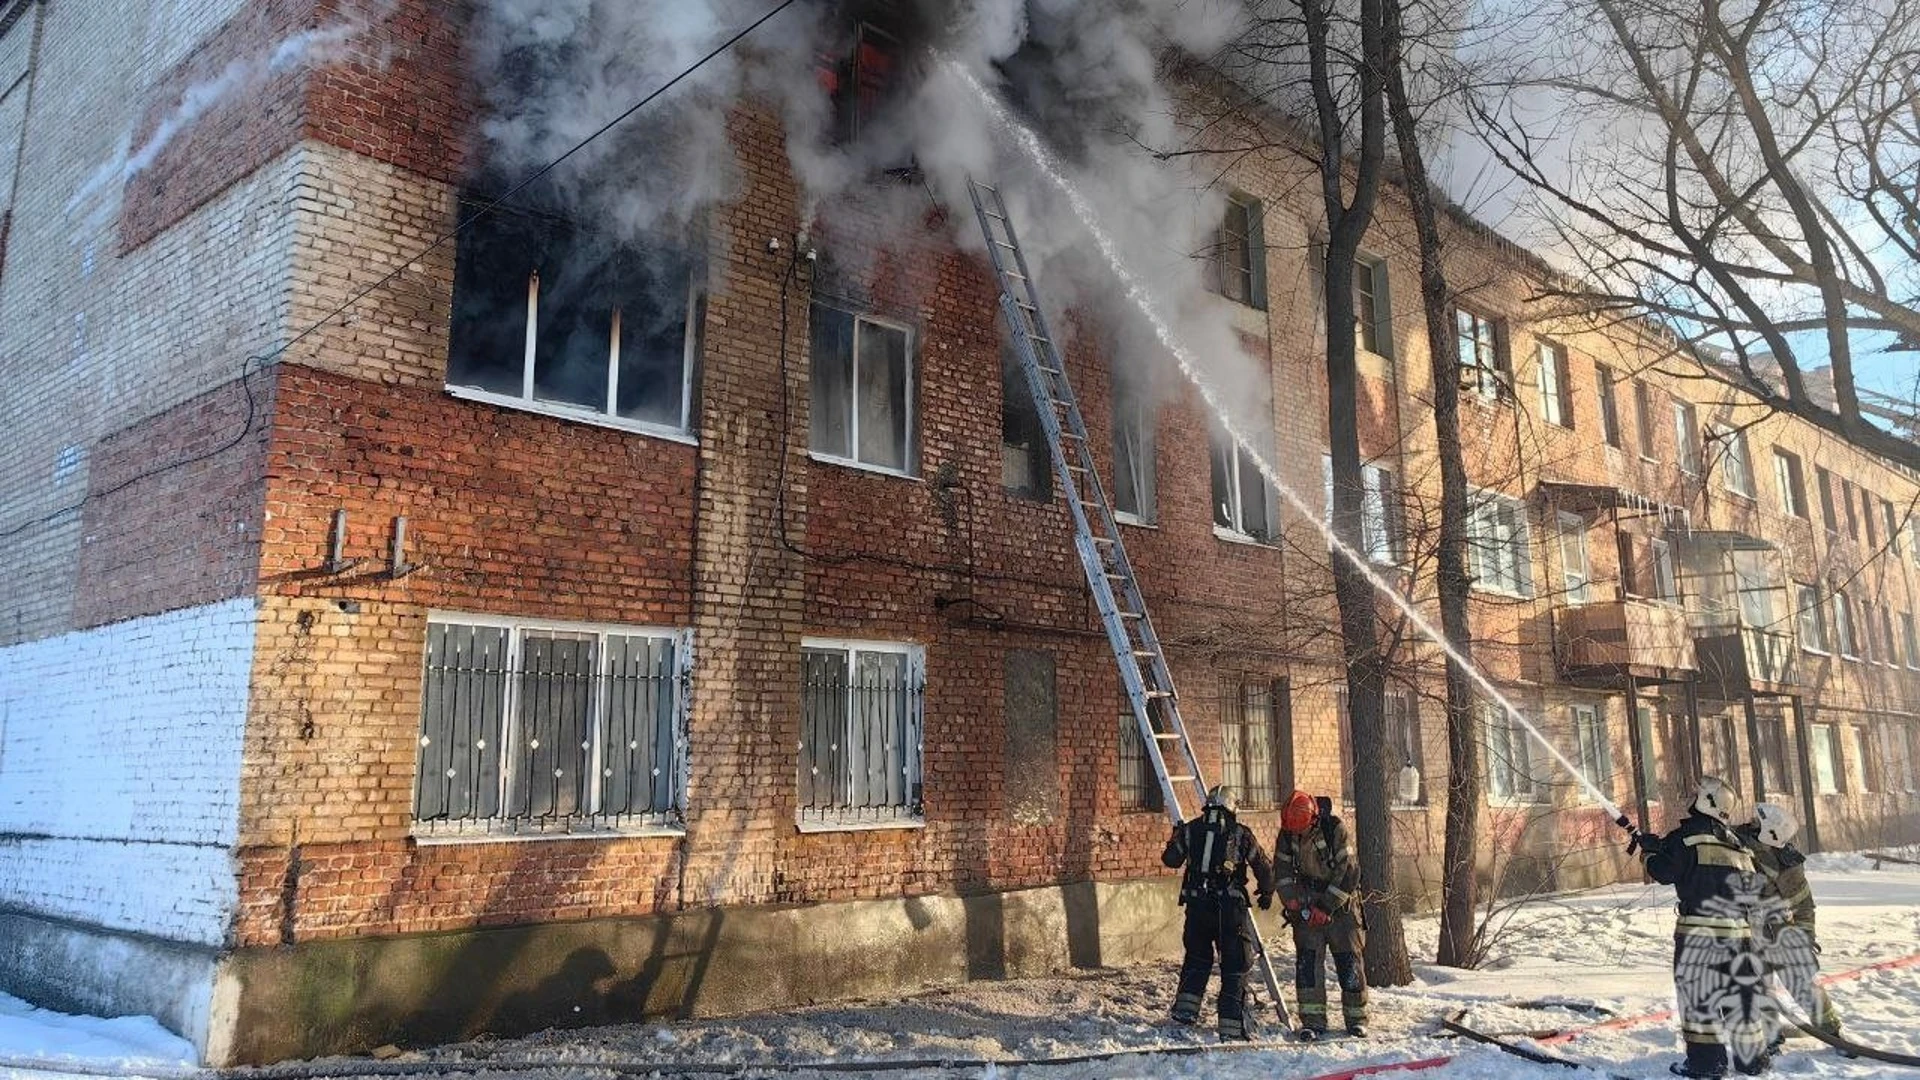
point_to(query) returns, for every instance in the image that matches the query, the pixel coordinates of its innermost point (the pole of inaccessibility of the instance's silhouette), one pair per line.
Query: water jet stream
(1044, 161)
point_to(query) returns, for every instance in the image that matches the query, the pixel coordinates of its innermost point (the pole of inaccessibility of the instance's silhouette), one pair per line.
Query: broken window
(1237, 269)
(550, 316)
(1241, 503)
(1026, 465)
(860, 79)
(862, 390)
(1133, 449)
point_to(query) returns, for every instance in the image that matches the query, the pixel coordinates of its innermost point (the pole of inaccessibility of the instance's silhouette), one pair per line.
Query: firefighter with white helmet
(1787, 930)
(1217, 852)
(1713, 877)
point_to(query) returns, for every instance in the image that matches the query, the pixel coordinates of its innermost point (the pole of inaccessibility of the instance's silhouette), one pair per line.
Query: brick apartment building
(477, 665)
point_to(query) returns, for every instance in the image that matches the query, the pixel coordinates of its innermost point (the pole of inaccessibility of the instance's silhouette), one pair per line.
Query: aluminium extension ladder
(1116, 592)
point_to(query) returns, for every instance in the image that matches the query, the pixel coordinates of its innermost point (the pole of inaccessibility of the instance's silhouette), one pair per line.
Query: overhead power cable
(248, 365)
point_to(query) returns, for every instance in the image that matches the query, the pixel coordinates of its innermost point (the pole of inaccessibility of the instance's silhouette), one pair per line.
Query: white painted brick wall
(120, 771)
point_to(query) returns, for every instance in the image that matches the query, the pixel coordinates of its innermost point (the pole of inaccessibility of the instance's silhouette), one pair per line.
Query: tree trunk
(1347, 221)
(1458, 909)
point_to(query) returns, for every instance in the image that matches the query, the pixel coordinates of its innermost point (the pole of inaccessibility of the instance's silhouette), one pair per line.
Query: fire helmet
(1775, 824)
(1298, 814)
(1224, 797)
(1717, 800)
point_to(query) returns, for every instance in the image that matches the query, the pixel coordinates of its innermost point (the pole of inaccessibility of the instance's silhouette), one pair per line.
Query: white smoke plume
(1089, 76)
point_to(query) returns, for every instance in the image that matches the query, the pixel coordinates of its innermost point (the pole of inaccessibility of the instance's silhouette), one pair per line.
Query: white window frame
(1133, 406)
(1237, 532)
(1736, 464)
(1826, 772)
(1593, 739)
(527, 401)
(1499, 542)
(1504, 787)
(1381, 533)
(1686, 437)
(672, 823)
(854, 819)
(1488, 374)
(1576, 585)
(1911, 638)
(910, 393)
(1666, 585)
(1372, 322)
(1843, 635)
(1811, 620)
(1862, 739)
(1554, 371)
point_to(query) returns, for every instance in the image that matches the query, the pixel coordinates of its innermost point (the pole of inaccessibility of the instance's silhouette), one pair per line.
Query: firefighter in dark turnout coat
(1217, 852)
(1717, 974)
(1319, 883)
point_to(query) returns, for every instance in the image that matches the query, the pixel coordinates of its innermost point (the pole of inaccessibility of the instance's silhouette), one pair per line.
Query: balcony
(1600, 644)
(1745, 660)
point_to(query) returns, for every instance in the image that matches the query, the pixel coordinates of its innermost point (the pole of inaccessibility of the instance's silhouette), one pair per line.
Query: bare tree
(1747, 176)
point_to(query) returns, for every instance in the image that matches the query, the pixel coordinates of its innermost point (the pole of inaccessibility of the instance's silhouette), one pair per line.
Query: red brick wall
(186, 534)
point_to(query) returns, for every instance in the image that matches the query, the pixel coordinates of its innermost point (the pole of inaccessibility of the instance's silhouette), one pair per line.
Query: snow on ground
(1561, 963)
(124, 1045)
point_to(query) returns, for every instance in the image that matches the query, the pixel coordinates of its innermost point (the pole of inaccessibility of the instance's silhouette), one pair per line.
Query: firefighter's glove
(1317, 918)
(1292, 905)
(1265, 900)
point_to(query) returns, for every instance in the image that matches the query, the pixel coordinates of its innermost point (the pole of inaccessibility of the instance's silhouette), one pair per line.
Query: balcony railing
(1748, 660)
(1640, 637)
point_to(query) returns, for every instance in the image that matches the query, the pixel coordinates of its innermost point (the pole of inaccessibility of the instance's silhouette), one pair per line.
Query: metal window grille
(536, 729)
(1139, 787)
(860, 734)
(1249, 735)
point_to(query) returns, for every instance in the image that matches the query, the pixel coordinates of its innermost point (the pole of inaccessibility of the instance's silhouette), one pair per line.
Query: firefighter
(1717, 975)
(1217, 852)
(1318, 882)
(1791, 944)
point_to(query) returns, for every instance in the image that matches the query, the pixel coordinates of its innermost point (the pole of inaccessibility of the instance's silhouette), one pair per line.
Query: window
(1788, 477)
(1890, 649)
(1026, 464)
(1843, 625)
(862, 391)
(1509, 757)
(1865, 756)
(1139, 785)
(1824, 481)
(1482, 345)
(1686, 440)
(1596, 756)
(1753, 581)
(1826, 763)
(1372, 316)
(1380, 524)
(1869, 646)
(549, 316)
(1241, 502)
(530, 728)
(860, 725)
(1774, 774)
(1133, 450)
(1912, 641)
(1643, 418)
(1913, 538)
(859, 82)
(1249, 736)
(1897, 743)
(1813, 619)
(1866, 514)
(1497, 550)
(1721, 748)
(1846, 499)
(1893, 526)
(1575, 581)
(1403, 745)
(1664, 585)
(1237, 269)
(1609, 408)
(1556, 393)
(1736, 469)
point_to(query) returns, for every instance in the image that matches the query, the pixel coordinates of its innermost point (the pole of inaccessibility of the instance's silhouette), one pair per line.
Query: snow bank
(123, 1045)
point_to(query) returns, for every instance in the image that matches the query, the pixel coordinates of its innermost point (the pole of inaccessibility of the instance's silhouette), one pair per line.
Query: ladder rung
(1159, 693)
(1180, 779)
(1130, 615)
(1167, 735)
(1146, 652)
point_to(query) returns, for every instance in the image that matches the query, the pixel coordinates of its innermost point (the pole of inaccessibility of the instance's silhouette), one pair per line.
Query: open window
(554, 317)
(1026, 464)
(862, 71)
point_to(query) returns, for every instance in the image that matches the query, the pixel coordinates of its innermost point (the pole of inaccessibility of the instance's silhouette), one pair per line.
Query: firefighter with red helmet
(1217, 852)
(1318, 882)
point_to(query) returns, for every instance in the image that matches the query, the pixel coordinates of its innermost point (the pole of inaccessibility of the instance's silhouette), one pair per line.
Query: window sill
(481, 835)
(1505, 594)
(1517, 802)
(861, 466)
(1743, 496)
(824, 825)
(1849, 658)
(1134, 520)
(578, 416)
(1235, 536)
(1814, 651)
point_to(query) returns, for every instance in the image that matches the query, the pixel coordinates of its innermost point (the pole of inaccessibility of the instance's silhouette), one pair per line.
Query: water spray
(1044, 161)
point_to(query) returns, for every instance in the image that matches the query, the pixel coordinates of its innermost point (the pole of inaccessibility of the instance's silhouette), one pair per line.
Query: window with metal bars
(860, 733)
(1250, 743)
(1139, 787)
(532, 728)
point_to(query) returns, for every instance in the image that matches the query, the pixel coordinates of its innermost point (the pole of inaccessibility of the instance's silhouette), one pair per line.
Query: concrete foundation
(345, 996)
(81, 969)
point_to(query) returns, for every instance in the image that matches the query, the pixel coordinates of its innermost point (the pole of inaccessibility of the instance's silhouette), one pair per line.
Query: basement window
(549, 317)
(860, 734)
(538, 728)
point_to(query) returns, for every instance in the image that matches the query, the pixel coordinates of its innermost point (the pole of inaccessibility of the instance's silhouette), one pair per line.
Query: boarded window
(1032, 778)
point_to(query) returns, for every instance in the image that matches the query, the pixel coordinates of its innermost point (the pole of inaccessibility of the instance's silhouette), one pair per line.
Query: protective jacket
(1718, 973)
(1217, 856)
(1218, 853)
(1785, 869)
(1704, 861)
(1316, 867)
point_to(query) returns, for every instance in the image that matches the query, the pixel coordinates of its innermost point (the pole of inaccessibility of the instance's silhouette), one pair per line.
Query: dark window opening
(1026, 464)
(861, 79)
